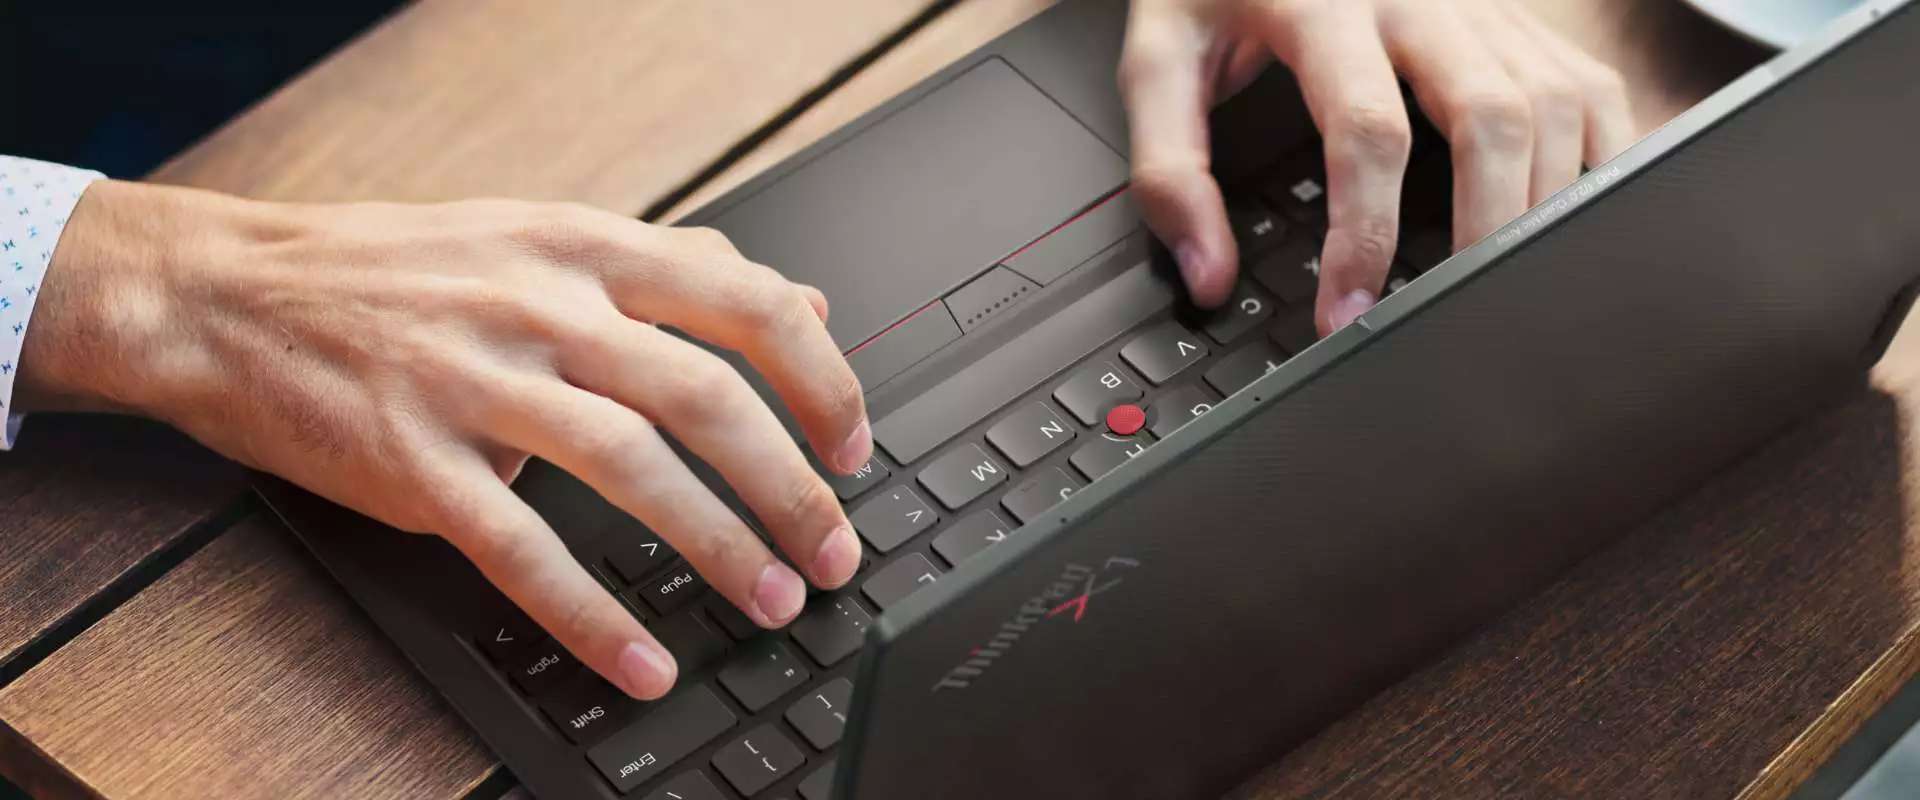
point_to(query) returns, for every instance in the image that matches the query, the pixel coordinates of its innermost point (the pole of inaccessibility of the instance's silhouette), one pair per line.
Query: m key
(961, 475)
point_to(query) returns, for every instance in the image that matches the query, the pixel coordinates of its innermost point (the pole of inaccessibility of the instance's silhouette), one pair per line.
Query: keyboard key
(1255, 228)
(672, 590)
(1027, 435)
(1397, 279)
(964, 473)
(863, 480)
(543, 667)
(688, 786)
(895, 581)
(754, 761)
(588, 708)
(1300, 192)
(1295, 331)
(1163, 351)
(973, 533)
(503, 641)
(1244, 366)
(758, 677)
(731, 619)
(821, 716)
(1094, 389)
(819, 785)
(1291, 272)
(831, 628)
(672, 730)
(635, 554)
(1177, 407)
(1243, 312)
(891, 518)
(692, 643)
(1106, 452)
(1043, 491)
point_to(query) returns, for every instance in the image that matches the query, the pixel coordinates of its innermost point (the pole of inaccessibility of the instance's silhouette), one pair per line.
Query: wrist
(109, 331)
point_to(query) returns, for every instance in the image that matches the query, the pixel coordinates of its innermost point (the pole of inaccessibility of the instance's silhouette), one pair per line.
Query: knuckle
(1150, 52)
(811, 501)
(776, 308)
(1374, 240)
(702, 238)
(707, 390)
(1495, 118)
(1377, 132)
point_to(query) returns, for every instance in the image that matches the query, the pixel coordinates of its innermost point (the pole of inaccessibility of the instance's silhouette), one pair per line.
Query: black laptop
(1064, 601)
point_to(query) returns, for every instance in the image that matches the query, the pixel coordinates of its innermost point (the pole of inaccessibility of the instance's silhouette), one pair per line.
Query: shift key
(674, 729)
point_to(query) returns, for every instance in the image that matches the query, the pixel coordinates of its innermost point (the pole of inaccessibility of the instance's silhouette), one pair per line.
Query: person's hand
(405, 360)
(1520, 107)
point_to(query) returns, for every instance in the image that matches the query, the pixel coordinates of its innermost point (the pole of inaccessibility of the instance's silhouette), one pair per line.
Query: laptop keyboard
(760, 713)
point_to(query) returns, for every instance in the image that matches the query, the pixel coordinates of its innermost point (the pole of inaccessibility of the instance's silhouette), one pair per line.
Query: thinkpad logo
(1066, 598)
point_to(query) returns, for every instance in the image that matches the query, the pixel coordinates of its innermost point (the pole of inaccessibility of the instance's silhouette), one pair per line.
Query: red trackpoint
(1126, 420)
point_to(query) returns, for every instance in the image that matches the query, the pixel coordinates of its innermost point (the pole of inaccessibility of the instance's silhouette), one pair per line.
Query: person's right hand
(1520, 107)
(405, 360)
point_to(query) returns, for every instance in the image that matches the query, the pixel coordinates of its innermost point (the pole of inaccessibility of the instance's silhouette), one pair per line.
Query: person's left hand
(1520, 107)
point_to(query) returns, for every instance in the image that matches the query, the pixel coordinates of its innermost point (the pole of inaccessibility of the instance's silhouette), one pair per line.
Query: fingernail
(1192, 260)
(858, 447)
(1347, 309)
(778, 594)
(647, 670)
(837, 558)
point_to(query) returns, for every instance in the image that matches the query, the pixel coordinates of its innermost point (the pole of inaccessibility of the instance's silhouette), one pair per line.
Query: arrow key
(505, 639)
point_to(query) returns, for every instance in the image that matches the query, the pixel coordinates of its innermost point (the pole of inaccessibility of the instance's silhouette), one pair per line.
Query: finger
(817, 299)
(516, 551)
(1559, 110)
(708, 290)
(1335, 51)
(1610, 126)
(1164, 80)
(706, 405)
(615, 451)
(1477, 106)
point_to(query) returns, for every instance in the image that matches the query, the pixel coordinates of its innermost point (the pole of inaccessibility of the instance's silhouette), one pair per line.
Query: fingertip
(854, 452)
(837, 559)
(1345, 309)
(1208, 275)
(646, 671)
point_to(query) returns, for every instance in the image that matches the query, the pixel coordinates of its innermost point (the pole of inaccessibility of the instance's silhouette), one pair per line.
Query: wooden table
(162, 637)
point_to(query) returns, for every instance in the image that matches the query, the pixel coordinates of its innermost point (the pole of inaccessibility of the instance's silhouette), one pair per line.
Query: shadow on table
(1680, 661)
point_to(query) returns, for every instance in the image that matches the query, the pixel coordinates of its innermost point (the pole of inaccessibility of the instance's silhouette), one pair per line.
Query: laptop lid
(1220, 597)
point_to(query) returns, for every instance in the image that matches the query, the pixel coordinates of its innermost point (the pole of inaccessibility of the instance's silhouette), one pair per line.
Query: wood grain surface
(607, 102)
(240, 674)
(86, 500)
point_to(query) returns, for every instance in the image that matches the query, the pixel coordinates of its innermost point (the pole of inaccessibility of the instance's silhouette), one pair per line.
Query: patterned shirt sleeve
(35, 199)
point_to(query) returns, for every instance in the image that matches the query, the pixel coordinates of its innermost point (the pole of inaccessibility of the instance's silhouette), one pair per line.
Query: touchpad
(916, 204)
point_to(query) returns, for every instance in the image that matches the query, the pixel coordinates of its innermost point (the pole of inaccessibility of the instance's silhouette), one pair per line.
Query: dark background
(121, 86)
